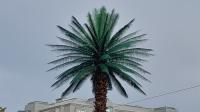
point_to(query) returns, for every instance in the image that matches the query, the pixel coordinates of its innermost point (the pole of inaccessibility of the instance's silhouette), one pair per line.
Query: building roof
(89, 103)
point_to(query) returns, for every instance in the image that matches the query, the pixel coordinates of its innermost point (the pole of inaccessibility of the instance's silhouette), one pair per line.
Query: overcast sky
(172, 26)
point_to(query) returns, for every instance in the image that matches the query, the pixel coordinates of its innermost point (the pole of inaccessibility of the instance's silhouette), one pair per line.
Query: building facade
(2, 109)
(80, 105)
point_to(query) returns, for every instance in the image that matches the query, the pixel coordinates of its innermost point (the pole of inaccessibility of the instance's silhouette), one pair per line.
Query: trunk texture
(100, 92)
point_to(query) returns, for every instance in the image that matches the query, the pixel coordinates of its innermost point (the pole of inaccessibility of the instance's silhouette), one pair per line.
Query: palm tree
(92, 51)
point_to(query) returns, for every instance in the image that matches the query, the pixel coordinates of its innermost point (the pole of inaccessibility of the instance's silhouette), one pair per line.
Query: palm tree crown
(92, 50)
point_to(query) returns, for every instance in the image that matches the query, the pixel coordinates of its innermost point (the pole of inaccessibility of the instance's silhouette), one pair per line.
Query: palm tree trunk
(100, 92)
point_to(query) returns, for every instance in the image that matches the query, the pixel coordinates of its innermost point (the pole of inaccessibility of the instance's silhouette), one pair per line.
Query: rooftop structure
(80, 105)
(2, 109)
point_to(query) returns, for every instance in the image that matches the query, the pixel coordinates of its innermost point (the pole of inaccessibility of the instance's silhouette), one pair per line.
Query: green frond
(72, 54)
(117, 35)
(81, 29)
(71, 35)
(75, 69)
(124, 60)
(69, 73)
(103, 68)
(127, 69)
(118, 85)
(82, 76)
(139, 89)
(127, 56)
(92, 26)
(128, 36)
(69, 58)
(68, 90)
(62, 80)
(100, 21)
(111, 22)
(132, 82)
(123, 75)
(68, 42)
(92, 48)
(86, 50)
(104, 57)
(135, 52)
(135, 67)
(125, 45)
(79, 34)
(75, 61)
(94, 38)
(109, 81)
(59, 46)
(131, 37)
(104, 34)
(78, 80)
(93, 81)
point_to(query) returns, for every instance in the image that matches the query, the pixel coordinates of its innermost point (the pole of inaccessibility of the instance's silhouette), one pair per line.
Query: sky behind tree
(172, 27)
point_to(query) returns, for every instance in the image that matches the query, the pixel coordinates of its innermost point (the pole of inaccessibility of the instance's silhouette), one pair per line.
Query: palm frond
(123, 75)
(75, 69)
(135, 67)
(117, 35)
(81, 29)
(103, 68)
(94, 38)
(68, 58)
(92, 49)
(100, 21)
(82, 76)
(78, 60)
(132, 82)
(69, 42)
(86, 50)
(72, 54)
(127, 69)
(71, 35)
(118, 85)
(78, 80)
(131, 37)
(134, 52)
(69, 73)
(62, 80)
(127, 56)
(92, 26)
(108, 29)
(109, 81)
(124, 60)
(125, 45)
(68, 90)
(128, 36)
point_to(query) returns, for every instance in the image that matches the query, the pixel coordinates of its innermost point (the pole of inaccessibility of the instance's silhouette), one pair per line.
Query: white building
(80, 105)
